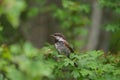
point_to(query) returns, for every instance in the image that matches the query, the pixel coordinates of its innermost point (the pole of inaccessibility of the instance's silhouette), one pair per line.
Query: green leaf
(34, 11)
(112, 27)
(85, 72)
(76, 73)
(13, 10)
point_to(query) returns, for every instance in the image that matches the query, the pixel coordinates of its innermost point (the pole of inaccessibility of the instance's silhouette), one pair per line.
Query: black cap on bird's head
(58, 36)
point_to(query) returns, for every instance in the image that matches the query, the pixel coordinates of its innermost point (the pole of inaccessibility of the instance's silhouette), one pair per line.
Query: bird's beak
(52, 36)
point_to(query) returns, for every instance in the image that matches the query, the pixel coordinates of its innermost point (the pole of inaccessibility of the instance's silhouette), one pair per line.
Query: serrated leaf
(76, 74)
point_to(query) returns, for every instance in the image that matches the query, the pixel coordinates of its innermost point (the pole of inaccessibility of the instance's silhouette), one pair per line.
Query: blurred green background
(27, 51)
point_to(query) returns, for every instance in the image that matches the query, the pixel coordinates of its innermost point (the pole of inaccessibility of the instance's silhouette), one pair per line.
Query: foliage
(72, 17)
(12, 10)
(24, 63)
(10, 18)
(91, 65)
(28, 63)
(114, 8)
(112, 25)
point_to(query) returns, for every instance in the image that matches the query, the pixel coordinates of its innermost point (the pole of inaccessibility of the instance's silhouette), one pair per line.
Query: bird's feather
(67, 44)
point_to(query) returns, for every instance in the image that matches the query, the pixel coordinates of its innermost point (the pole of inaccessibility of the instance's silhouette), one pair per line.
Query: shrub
(24, 62)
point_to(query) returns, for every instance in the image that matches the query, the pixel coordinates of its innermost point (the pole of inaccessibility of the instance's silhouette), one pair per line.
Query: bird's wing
(67, 44)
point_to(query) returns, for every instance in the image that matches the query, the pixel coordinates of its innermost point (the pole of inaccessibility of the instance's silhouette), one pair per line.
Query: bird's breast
(62, 49)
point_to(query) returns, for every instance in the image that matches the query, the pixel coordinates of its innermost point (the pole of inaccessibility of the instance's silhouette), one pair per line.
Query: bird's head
(58, 37)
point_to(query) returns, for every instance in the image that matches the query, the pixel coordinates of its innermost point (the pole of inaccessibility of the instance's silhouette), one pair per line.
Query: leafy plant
(28, 63)
(24, 63)
(12, 10)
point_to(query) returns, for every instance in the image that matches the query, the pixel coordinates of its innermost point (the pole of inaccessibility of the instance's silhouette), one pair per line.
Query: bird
(61, 44)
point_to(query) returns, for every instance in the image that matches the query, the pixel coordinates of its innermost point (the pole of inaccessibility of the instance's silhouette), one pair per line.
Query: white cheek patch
(59, 38)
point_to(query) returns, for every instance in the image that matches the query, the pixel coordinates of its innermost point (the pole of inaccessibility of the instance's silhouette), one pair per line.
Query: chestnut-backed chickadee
(61, 44)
